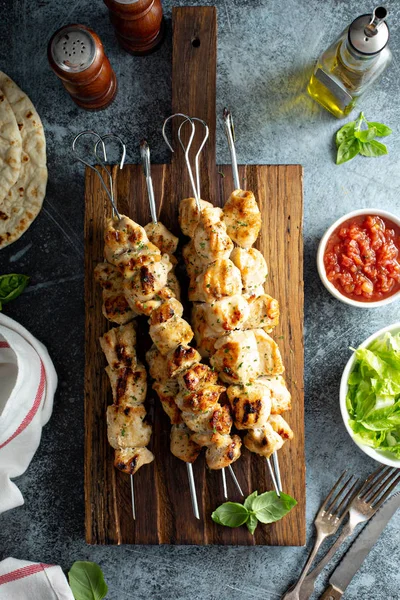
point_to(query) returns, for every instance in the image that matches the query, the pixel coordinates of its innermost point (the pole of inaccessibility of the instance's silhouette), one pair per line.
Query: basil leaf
(230, 514)
(87, 581)
(269, 507)
(366, 135)
(252, 523)
(11, 286)
(373, 148)
(346, 132)
(248, 503)
(347, 150)
(381, 129)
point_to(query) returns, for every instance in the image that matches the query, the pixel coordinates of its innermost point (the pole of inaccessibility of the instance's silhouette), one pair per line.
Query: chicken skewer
(127, 431)
(196, 191)
(154, 232)
(220, 285)
(230, 134)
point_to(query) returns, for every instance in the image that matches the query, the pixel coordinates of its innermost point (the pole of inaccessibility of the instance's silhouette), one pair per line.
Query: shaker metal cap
(73, 49)
(369, 34)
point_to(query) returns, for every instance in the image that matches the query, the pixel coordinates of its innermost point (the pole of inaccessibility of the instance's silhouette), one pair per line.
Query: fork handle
(309, 581)
(331, 593)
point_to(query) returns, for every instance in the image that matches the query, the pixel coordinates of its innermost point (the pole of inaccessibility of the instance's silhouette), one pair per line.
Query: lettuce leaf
(373, 397)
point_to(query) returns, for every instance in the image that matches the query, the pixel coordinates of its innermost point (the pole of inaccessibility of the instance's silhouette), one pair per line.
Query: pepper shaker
(76, 55)
(138, 24)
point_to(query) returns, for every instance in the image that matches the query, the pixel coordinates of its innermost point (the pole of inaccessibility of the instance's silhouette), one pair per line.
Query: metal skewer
(186, 151)
(197, 196)
(273, 466)
(110, 193)
(145, 155)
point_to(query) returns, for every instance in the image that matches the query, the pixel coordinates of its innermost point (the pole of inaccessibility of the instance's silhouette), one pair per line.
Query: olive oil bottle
(352, 63)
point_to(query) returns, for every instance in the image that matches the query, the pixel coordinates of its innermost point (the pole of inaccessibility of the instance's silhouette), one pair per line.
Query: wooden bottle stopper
(76, 55)
(138, 24)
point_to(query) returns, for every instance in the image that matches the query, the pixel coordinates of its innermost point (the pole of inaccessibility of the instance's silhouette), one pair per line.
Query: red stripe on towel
(33, 410)
(23, 572)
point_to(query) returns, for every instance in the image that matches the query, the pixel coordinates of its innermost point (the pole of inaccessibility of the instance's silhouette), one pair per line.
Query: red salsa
(362, 258)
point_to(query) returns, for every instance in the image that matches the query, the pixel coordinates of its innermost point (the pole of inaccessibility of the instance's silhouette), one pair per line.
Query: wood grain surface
(163, 507)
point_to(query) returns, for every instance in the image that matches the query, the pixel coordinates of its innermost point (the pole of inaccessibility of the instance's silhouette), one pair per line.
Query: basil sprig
(264, 508)
(358, 137)
(87, 581)
(11, 286)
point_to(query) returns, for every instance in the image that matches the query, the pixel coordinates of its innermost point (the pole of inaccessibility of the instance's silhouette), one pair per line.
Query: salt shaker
(77, 57)
(138, 24)
(352, 63)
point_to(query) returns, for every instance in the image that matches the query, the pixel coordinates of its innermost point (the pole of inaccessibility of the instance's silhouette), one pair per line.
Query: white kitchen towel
(23, 580)
(27, 384)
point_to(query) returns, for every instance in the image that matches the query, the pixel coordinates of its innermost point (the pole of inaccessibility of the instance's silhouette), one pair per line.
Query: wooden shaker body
(139, 26)
(96, 86)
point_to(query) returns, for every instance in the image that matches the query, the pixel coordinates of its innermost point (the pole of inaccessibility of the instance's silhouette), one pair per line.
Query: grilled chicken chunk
(236, 357)
(129, 386)
(204, 335)
(126, 427)
(158, 364)
(115, 306)
(118, 345)
(147, 281)
(210, 238)
(280, 395)
(264, 441)
(227, 314)
(167, 392)
(197, 377)
(222, 450)
(128, 247)
(129, 460)
(253, 268)
(200, 400)
(220, 279)
(194, 264)
(270, 356)
(281, 427)
(168, 336)
(181, 359)
(251, 404)
(181, 445)
(216, 420)
(189, 215)
(161, 237)
(263, 313)
(146, 308)
(243, 218)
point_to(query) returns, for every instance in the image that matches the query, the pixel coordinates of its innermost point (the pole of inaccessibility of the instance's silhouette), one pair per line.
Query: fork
(365, 504)
(327, 522)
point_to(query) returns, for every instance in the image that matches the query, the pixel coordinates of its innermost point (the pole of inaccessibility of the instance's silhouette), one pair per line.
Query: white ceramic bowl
(321, 251)
(383, 457)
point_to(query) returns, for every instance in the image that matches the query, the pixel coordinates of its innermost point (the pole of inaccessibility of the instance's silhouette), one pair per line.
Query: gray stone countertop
(266, 50)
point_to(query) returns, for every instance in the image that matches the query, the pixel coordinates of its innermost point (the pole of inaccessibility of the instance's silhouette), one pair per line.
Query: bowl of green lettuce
(370, 396)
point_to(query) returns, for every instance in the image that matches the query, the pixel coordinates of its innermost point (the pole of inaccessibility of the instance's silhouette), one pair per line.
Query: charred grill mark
(146, 278)
(121, 383)
(251, 408)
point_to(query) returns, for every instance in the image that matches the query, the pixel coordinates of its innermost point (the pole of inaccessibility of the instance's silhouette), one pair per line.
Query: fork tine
(329, 496)
(336, 499)
(371, 481)
(348, 499)
(393, 479)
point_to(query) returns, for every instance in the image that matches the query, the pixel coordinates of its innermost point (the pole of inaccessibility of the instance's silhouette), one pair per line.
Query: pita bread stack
(23, 171)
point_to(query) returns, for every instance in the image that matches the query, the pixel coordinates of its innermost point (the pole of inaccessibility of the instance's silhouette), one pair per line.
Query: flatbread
(10, 147)
(23, 201)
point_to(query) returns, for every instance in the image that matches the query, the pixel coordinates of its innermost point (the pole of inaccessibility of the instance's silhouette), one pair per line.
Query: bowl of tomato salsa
(358, 258)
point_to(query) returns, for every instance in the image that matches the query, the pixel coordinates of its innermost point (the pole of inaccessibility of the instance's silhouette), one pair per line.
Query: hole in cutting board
(195, 42)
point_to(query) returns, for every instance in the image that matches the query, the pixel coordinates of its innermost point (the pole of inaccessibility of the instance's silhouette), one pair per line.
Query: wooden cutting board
(163, 507)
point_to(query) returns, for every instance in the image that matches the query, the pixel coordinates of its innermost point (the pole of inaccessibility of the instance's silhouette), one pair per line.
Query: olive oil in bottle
(352, 63)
